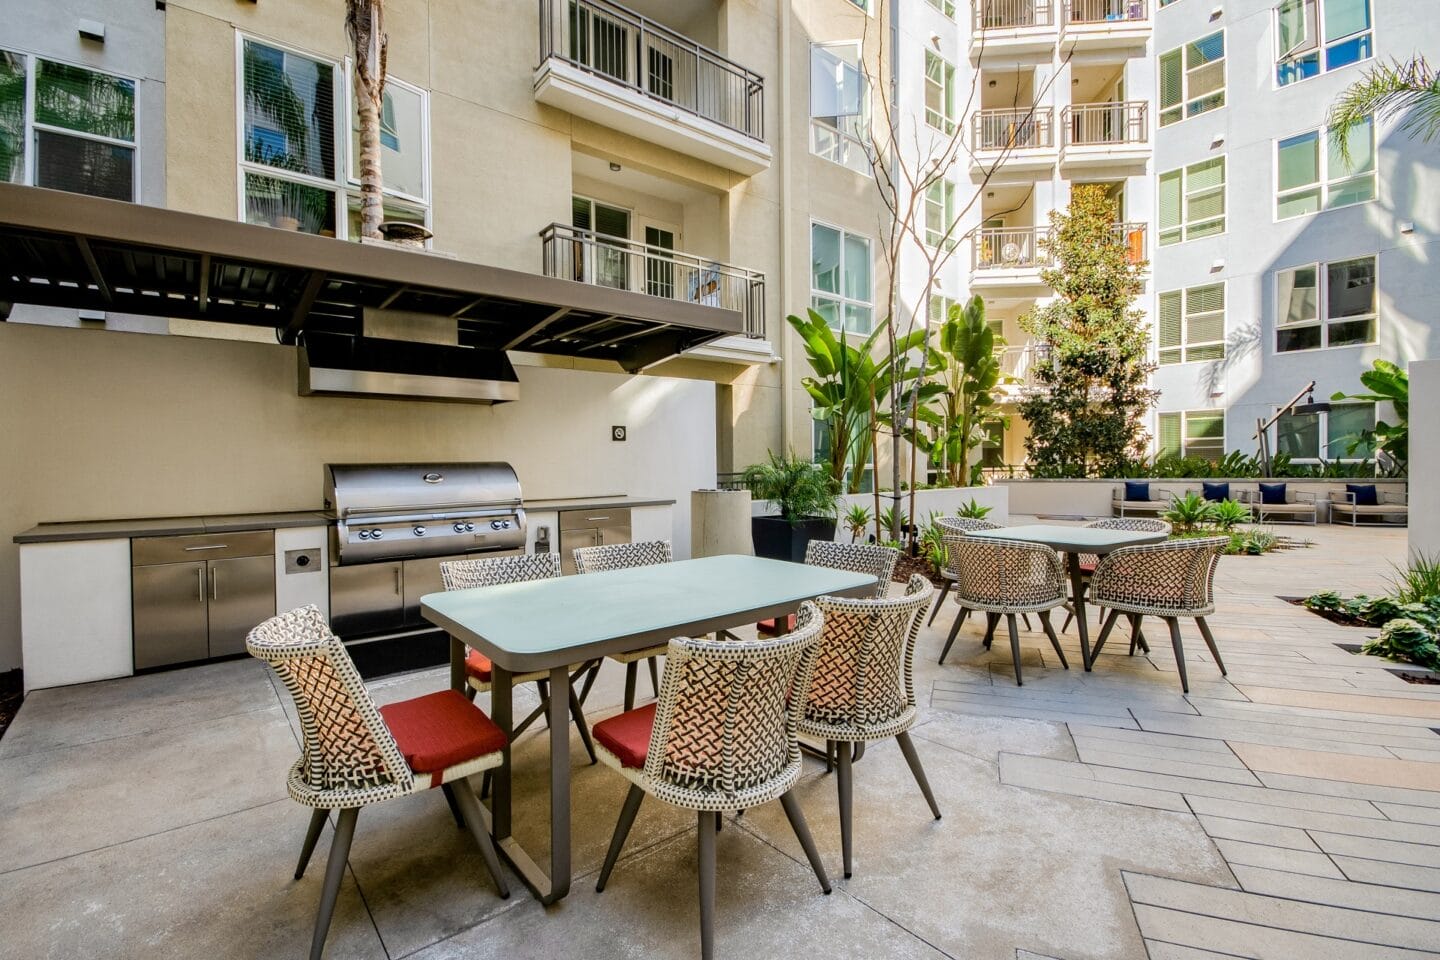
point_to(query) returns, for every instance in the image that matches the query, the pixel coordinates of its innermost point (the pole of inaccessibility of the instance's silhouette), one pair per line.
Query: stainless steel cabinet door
(242, 594)
(421, 577)
(169, 613)
(570, 540)
(366, 598)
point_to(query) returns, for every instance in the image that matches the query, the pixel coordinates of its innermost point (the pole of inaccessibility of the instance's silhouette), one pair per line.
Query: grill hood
(338, 364)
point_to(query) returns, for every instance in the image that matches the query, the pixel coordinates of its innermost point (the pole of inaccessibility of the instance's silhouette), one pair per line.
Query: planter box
(778, 540)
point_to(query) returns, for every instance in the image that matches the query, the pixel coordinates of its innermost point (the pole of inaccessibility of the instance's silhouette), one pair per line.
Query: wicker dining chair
(492, 571)
(1006, 578)
(1088, 561)
(869, 558)
(1165, 580)
(960, 525)
(863, 686)
(354, 754)
(623, 556)
(721, 738)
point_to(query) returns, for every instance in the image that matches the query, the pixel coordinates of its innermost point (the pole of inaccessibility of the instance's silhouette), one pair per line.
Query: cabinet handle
(200, 584)
(397, 581)
(597, 518)
(214, 584)
(212, 546)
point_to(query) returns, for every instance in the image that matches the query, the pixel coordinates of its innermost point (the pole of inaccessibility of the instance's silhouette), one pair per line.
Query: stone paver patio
(1291, 809)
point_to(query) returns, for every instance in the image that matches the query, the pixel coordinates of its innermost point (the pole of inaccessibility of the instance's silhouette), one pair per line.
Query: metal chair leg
(622, 830)
(1014, 647)
(654, 676)
(334, 873)
(1069, 618)
(630, 670)
(939, 601)
(829, 756)
(589, 682)
(1175, 642)
(802, 833)
(1210, 642)
(844, 787)
(577, 714)
(312, 834)
(1104, 635)
(1054, 640)
(485, 785)
(543, 686)
(1026, 617)
(446, 789)
(475, 822)
(992, 620)
(1137, 634)
(907, 747)
(954, 632)
(707, 883)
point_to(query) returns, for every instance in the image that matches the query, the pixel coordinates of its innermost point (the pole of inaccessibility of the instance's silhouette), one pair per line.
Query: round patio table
(1073, 541)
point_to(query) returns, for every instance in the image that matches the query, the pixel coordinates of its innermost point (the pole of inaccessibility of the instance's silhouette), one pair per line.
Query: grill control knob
(364, 534)
(376, 534)
(469, 527)
(494, 524)
(459, 528)
(419, 531)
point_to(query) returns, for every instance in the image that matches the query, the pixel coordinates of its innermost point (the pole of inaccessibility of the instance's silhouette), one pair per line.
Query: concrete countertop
(167, 526)
(611, 502)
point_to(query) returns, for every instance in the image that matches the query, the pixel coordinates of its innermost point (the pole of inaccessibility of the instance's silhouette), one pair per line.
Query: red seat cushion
(768, 626)
(440, 730)
(627, 735)
(478, 666)
(1087, 567)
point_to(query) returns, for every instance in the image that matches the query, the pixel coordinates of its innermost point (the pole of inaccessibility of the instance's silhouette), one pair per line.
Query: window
(1344, 289)
(1192, 79)
(946, 7)
(1192, 324)
(840, 278)
(839, 106)
(1314, 36)
(940, 214)
(939, 93)
(299, 171)
(940, 308)
(1192, 201)
(67, 127)
(1192, 433)
(605, 264)
(1309, 179)
(820, 453)
(1328, 435)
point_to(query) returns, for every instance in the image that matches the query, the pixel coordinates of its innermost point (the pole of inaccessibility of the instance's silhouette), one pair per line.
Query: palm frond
(1401, 87)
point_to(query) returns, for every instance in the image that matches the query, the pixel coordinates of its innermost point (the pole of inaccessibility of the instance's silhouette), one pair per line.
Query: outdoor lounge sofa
(1297, 507)
(1124, 503)
(1389, 508)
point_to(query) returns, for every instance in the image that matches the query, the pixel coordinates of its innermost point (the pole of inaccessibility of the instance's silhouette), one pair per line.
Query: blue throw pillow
(1215, 491)
(1137, 490)
(1365, 494)
(1272, 493)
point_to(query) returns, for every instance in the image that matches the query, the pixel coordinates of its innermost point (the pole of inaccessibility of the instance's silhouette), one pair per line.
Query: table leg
(457, 665)
(502, 712)
(1077, 599)
(559, 785)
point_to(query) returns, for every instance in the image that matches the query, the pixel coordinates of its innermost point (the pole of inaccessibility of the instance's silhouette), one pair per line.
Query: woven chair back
(346, 745)
(864, 672)
(1172, 578)
(491, 571)
(875, 560)
(621, 556)
(726, 718)
(965, 524)
(1003, 574)
(1133, 524)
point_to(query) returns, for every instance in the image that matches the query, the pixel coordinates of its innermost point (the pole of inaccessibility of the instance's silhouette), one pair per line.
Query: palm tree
(365, 22)
(1384, 91)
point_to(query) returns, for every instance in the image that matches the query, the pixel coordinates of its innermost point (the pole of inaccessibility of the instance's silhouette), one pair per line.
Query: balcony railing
(1107, 11)
(1018, 363)
(1010, 14)
(618, 44)
(1019, 129)
(1132, 235)
(1004, 248)
(606, 261)
(1098, 124)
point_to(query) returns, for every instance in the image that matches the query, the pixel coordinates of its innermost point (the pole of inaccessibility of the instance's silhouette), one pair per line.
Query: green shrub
(1418, 581)
(1189, 512)
(1405, 639)
(973, 510)
(1229, 514)
(1328, 601)
(800, 488)
(857, 521)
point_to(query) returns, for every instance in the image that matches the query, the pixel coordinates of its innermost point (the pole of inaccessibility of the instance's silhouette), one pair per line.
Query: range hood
(339, 364)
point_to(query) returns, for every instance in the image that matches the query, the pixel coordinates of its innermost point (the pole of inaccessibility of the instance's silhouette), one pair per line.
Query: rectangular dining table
(1072, 542)
(548, 625)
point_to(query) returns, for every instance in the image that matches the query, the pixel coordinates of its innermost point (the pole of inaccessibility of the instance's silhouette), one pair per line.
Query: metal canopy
(68, 250)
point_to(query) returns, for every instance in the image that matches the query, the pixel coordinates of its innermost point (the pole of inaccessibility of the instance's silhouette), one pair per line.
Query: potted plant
(805, 494)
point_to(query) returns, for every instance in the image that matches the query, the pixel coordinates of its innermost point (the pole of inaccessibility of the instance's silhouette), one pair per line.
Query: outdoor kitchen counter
(167, 526)
(610, 502)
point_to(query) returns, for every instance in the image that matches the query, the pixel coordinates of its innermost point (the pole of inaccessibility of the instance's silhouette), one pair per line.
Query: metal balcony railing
(1012, 129)
(1106, 11)
(1132, 235)
(1097, 124)
(1006, 248)
(589, 257)
(615, 43)
(1018, 363)
(1009, 14)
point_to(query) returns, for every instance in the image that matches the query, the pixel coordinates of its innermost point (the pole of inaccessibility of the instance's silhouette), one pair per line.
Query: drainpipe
(782, 338)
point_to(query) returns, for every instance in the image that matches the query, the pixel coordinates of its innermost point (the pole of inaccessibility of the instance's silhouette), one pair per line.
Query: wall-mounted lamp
(614, 167)
(990, 83)
(92, 30)
(1407, 226)
(1216, 12)
(1218, 140)
(1217, 264)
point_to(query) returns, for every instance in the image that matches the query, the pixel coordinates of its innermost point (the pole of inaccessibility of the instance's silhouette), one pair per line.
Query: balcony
(610, 65)
(1104, 134)
(1003, 27)
(1006, 260)
(1105, 24)
(1132, 235)
(1018, 140)
(1017, 369)
(596, 258)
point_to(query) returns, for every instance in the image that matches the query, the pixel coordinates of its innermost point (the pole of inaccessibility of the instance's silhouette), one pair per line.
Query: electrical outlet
(617, 433)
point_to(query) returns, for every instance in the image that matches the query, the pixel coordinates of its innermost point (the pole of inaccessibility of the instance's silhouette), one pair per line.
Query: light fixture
(92, 30)
(1217, 140)
(1075, 82)
(614, 167)
(990, 83)
(1310, 405)
(1217, 264)
(1407, 226)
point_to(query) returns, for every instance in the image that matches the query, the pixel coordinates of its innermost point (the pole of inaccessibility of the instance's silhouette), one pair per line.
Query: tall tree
(1086, 413)
(365, 22)
(1388, 90)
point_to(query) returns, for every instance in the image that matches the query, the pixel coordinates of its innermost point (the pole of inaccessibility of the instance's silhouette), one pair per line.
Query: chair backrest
(621, 556)
(728, 711)
(1134, 524)
(345, 743)
(1177, 576)
(864, 672)
(491, 571)
(965, 524)
(1005, 573)
(875, 560)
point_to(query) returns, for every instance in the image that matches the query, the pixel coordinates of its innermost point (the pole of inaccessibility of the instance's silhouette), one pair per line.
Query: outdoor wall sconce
(1407, 226)
(1217, 265)
(614, 167)
(1218, 140)
(1217, 12)
(92, 30)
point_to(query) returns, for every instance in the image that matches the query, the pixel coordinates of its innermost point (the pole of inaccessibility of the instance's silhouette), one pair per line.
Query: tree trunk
(372, 204)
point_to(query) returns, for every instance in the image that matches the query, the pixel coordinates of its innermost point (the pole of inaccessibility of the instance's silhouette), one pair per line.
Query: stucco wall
(101, 424)
(1425, 458)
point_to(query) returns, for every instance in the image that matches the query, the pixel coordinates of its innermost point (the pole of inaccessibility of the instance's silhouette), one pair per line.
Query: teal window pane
(858, 319)
(857, 268)
(1299, 161)
(74, 98)
(829, 309)
(1345, 17)
(1298, 204)
(824, 259)
(1347, 421)
(1298, 436)
(12, 116)
(1346, 192)
(1362, 151)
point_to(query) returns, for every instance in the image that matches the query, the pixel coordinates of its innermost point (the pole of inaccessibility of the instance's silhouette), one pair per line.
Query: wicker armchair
(493, 571)
(853, 557)
(958, 525)
(623, 556)
(1167, 580)
(721, 738)
(863, 687)
(1006, 577)
(354, 754)
(1088, 561)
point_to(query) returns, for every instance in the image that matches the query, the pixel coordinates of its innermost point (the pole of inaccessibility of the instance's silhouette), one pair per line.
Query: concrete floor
(1290, 809)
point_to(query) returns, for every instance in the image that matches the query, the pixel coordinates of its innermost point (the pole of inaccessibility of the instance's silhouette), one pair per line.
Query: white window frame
(946, 7)
(1322, 297)
(1186, 225)
(1325, 181)
(1185, 95)
(1320, 46)
(352, 155)
(31, 125)
(946, 228)
(1185, 346)
(839, 295)
(1323, 439)
(946, 115)
(1185, 415)
(851, 149)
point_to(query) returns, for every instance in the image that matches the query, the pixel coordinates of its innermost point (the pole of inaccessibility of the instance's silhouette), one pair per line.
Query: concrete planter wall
(1093, 498)
(944, 501)
(1425, 458)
